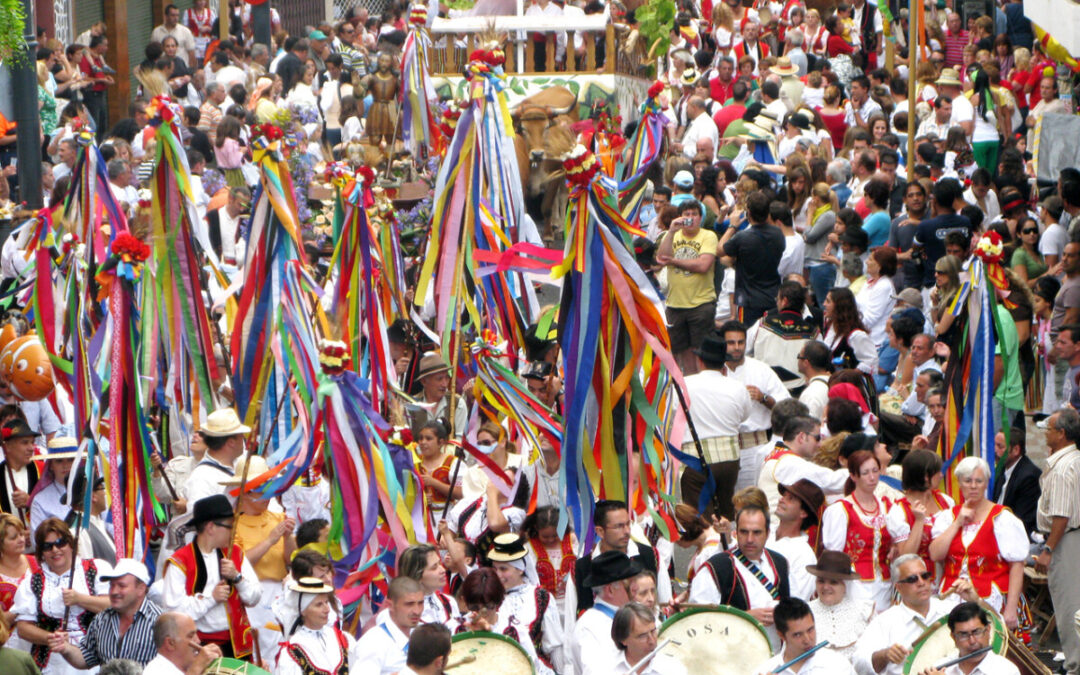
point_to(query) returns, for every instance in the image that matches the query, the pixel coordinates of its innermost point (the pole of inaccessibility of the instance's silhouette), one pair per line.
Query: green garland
(12, 25)
(656, 19)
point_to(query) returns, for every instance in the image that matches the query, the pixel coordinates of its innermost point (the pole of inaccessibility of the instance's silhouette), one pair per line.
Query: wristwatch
(1046, 549)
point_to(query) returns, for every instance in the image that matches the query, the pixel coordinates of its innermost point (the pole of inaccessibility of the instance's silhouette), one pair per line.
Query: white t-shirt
(1053, 240)
(962, 111)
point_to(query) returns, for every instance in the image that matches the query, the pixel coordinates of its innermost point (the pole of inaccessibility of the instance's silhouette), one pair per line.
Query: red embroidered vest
(239, 626)
(924, 543)
(550, 580)
(984, 563)
(867, 545)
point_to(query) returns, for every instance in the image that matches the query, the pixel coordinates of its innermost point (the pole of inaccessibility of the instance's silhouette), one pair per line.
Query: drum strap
(758, 574)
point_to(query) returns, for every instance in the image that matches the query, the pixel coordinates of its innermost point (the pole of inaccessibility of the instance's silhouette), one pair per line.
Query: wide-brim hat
(833, 565)
(507, 547)
(16, 428)
(256, 466)
(609, 567)
(949, 76)
(214, 507)
(430, 365)
(62, 447)
(689, 77)
(311, 585)
(784, 67)
(754, 132)
(809, 494)
(223, 423)
(911, 296)
(713, 348)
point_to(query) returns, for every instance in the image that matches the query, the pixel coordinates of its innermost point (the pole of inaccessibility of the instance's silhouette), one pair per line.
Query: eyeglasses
(55, 544)
(914, 578)
(962, 636)
(1030, 231)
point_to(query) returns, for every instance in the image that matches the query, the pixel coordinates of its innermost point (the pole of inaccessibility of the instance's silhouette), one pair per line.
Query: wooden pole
(223, 19)
(913, 58)
(11, 477)
(75, 546)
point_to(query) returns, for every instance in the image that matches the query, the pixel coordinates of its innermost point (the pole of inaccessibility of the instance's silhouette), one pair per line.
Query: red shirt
(836, 126)
(719, 91)
(837, 45)
(727, 115)
(954, 48)
(92, 70)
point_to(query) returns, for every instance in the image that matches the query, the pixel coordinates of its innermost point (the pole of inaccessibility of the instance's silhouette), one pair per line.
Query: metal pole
(28, 132)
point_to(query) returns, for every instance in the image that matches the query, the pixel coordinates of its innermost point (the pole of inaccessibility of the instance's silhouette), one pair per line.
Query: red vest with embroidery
(924, 543)
(239, 626)
(740, 50)
(868, 546)
(985, 566)
(550, 580)
(441, 474)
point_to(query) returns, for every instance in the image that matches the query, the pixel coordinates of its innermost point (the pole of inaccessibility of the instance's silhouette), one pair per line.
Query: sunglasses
(1029, 231)
(914, 578)
(50, 545)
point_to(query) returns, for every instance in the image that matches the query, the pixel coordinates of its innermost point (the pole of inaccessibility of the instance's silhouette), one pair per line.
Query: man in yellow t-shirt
(689, 253)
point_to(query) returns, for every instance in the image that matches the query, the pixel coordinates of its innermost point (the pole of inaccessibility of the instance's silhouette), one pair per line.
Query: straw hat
(223, 423)
(949, 76)
(689, 77)
(310, 585)
(256, 466)
(507, 548)
(784, 67)
(62, 447)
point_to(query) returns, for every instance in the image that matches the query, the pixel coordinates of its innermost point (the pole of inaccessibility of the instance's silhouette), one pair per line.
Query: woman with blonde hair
(816, 35)
(821, 218)
(925, 75)
(723, 28)
(832, 115)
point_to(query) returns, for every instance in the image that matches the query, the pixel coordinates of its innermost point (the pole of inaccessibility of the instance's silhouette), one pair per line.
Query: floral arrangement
(656, 89)
(449, 119)
(128, 255)
(580, 165)
(333, 356)
(418, 15)
(990, 248)
(213, 181)
(268, 131)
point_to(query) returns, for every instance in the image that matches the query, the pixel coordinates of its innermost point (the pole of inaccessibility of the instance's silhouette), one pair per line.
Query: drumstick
(460, 662)
(800, 657)
(953, 662)
(648, 657)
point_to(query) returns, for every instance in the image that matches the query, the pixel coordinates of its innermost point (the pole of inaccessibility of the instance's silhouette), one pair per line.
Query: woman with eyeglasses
(856, 526)
(911, 519)
(984, 542)
(44, 596)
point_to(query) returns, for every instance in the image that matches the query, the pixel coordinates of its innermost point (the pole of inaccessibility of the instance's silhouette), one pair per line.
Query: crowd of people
(810, 270)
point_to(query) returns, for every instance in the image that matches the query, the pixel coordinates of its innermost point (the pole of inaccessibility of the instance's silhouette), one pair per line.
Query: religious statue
(383, 86)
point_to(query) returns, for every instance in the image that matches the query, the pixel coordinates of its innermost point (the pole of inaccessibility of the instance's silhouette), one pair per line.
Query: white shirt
(210, 615)
(205, 481)
(519, 608)
(901, 625)
(758, 374)
(591, 648)
(799, 554)
(991, 664)
(381, 650)
(1053, 240)
(719, 405)
(185, 41)
(993, 209)
(822, 662)
(789, 469)
(962, 111)
(661, 664)
(160, 665)
(703, 588)
(897, 524)
(816, 395)
(875, 302)
(791, 262)
(46, 504)
(702, 126)
(868, 107)
(321, 648)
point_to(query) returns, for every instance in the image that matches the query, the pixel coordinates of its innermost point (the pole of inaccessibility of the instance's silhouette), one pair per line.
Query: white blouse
(321, 648)
(1012, 543)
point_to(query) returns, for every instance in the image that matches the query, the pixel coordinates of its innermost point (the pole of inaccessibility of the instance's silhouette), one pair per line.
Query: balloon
(7, 355)
(31, 376)
(7, 334)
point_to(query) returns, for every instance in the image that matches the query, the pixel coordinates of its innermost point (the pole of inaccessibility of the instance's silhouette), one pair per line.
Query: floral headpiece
(333, 356)
(418, 15)
(580, 165)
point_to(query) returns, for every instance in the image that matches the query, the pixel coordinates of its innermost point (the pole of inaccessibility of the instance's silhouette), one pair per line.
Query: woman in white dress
(528, 613)
(839, 618)
(40, 605)
(313, 644)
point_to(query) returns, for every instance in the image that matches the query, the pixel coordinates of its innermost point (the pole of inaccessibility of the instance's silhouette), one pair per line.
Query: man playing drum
(751, 577)
(634, 633)
(971, 630)
(795, 625)
(887, 640)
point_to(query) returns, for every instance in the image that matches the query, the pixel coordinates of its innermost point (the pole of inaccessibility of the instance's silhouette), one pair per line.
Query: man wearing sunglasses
(888, 639)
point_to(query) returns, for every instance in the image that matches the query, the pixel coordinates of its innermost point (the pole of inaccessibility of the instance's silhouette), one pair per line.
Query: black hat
(397, 333)
(609, 567)
(537, 346)
(17, 428)
(752, 111)
(539, 370)
(214, 507)
(713, 349)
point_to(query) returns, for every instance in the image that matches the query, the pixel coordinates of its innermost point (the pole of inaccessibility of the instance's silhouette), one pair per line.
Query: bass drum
(226, 666)
(936, 645)
(716, 641)
(482, 653)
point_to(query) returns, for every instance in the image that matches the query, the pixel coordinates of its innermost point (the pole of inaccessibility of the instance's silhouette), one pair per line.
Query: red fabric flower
(366, 174)
(406, 436)
(130, 245)
(656, 89)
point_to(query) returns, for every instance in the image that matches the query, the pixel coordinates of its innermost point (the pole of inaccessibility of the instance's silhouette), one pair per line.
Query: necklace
(877, 507)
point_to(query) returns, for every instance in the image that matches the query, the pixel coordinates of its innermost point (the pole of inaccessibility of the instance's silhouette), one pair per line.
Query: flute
(953, 662)
(648, 657)
(805, 655)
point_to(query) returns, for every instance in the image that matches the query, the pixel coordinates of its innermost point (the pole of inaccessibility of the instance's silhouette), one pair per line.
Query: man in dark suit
(750, 577)
(1017, 485)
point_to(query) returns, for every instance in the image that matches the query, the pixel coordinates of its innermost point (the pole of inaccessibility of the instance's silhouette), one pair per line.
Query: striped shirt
(1060, 485)
(954, 48)
(103, 641)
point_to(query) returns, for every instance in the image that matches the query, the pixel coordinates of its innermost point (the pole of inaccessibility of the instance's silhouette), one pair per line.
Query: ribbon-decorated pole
(418, 97)
(617, 360)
